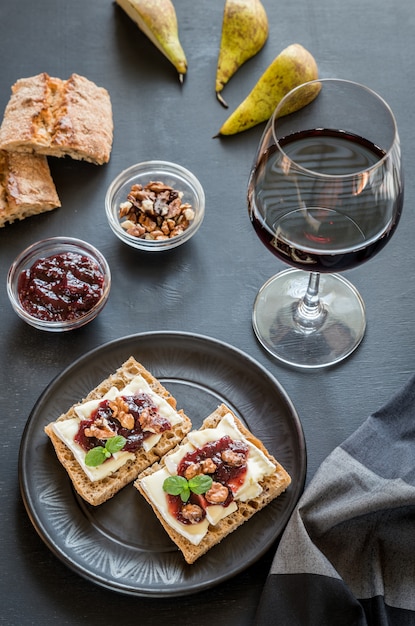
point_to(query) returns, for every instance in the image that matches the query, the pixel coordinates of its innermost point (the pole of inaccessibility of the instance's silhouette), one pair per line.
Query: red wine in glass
(346, 227)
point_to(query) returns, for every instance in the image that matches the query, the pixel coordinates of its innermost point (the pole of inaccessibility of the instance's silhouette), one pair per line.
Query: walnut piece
(120, 411)
(233, 459)
(192, 513)
(155, 211)
(100, 429)
(217, 494)
(206, 466)
(152, 422)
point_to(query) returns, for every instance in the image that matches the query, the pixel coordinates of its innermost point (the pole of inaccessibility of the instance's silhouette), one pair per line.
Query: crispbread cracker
(26, 186)
(97, 492)
(59, 117)
(273, 486)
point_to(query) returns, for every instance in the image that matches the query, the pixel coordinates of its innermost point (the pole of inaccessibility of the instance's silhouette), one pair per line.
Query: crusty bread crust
(272, 486)
(59, 117)
(26, 186)
(99, 491)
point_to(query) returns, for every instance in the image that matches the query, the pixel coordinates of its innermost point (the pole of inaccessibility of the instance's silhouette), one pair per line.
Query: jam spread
(227, 473)
(61, 287)
(139, 405)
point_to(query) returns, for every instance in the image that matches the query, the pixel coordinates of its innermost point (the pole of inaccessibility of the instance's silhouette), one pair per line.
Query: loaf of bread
(272, 481)
(26, 186)
(58, 117)
(96, 491)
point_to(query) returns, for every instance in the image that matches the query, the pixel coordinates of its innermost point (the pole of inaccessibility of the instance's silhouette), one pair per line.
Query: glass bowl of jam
(59, 284)
(155, 205)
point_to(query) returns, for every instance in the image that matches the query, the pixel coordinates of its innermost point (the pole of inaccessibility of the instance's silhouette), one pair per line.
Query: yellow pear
(292, 67)
(158, 21)
(244, 33)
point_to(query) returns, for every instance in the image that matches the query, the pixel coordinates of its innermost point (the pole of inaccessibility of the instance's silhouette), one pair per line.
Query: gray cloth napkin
(347, 555)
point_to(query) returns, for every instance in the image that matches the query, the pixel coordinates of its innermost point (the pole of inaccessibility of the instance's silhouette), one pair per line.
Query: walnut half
(119, 408)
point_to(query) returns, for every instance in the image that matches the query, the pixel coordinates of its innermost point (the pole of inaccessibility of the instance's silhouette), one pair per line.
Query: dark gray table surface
(208, 286)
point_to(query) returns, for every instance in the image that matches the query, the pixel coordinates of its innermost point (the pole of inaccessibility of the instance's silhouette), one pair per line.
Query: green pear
(244, 33)
(158, 21)
(292, 67)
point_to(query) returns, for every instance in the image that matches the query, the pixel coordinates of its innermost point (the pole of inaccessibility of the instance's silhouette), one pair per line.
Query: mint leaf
(179, 486)
(200, 483)
(95, 456)
(115, 444)
(174, 485)
(185, 494)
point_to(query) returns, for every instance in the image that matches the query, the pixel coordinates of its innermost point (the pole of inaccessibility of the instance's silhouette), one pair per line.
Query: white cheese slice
(216, 512)
(226, 426)
(66, 431)
(153, 486)
(151, 441)
(85, 409)
(250, 488)
(259, 466)
(172, 460)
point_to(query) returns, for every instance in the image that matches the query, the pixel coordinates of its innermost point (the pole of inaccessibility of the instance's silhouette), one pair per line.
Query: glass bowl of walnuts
(155, 205)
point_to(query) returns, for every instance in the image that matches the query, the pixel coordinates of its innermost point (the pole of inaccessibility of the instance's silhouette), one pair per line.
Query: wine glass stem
(309, 313)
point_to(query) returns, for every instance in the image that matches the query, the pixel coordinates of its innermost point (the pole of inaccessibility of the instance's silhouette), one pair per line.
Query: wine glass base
(337, 337)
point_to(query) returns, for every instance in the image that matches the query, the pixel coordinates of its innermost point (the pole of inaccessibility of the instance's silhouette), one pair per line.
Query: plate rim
(112, 584)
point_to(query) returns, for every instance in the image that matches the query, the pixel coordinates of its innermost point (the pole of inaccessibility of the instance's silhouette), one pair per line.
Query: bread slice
(26, 186)
(272, 486)
(59, 117)
(98, 491)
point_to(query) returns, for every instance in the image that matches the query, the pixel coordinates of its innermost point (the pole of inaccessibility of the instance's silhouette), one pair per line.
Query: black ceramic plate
(120, 545)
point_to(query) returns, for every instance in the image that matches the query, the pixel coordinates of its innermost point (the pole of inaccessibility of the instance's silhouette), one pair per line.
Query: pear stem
(221, 100)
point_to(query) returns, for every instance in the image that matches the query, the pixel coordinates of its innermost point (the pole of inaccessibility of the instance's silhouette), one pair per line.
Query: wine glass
(325, 194)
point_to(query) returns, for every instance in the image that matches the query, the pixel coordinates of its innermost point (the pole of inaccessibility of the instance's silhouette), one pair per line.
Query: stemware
(325, 194)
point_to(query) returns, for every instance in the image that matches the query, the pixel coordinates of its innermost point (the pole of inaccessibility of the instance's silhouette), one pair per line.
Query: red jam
(229, 475)
(61, 287)
(135, 436)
